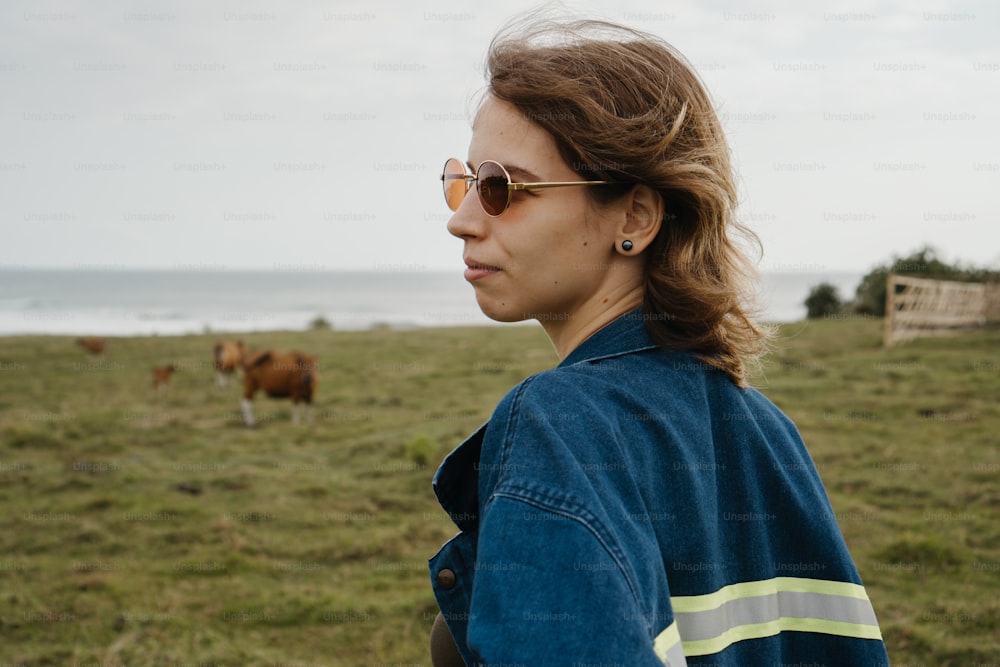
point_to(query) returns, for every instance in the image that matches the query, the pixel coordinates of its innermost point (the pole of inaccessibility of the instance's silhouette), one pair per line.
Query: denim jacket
(633, 507)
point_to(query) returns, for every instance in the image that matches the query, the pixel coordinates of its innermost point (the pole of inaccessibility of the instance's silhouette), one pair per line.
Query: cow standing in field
(161, 376)
(92, 344)
(281, 375)
(228, 355)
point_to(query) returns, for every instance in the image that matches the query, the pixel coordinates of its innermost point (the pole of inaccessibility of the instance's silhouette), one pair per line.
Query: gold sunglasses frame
(511, 186)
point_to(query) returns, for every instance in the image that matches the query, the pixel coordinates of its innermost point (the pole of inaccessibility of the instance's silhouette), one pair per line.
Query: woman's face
(550, 255)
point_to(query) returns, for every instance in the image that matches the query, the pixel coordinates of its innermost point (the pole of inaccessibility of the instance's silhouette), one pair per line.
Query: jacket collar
(456, 482)
(622, 336)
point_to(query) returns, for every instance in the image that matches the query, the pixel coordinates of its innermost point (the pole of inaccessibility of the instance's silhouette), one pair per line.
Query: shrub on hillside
(823, 300)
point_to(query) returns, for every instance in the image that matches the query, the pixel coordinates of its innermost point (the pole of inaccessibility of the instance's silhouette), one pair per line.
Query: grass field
(139, 528)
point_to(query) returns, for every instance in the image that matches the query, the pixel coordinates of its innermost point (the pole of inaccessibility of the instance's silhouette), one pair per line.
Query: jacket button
(446, 579)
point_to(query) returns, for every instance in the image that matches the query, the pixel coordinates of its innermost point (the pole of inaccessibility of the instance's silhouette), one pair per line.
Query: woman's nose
(469, 220)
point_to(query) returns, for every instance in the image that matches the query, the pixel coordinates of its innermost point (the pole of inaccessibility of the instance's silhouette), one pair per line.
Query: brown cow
(281, 375)
(92, 344)
(161, 376)
(228, 357)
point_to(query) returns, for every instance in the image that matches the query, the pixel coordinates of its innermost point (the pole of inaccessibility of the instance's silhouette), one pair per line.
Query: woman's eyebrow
(517, 174)
(522, 175)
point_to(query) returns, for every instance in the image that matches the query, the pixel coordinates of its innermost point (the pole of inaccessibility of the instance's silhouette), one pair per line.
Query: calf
(281, 375)
(228, 356)
(161, 376)
(92, 344)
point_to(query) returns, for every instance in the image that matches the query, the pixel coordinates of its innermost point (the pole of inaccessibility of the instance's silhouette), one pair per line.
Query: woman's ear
(643, 216)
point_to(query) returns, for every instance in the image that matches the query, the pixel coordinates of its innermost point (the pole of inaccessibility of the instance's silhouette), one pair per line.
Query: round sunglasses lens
(455, 185)
(492, 184)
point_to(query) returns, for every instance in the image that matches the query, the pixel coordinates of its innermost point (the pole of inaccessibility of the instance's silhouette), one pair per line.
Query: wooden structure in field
(921, 307)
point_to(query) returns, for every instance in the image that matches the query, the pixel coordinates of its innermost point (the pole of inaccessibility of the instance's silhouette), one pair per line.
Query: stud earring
(626, 245)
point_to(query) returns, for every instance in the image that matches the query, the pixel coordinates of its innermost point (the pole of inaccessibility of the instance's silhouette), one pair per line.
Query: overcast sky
(310, 135)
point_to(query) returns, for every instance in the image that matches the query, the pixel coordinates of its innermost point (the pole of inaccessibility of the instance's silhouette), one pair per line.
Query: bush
(823, 300)
(320, 323)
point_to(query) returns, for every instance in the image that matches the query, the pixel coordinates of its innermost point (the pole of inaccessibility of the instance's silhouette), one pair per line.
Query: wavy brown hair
(624, 105)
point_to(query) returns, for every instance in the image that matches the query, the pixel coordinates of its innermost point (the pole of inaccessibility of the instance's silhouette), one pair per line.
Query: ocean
(147, 302)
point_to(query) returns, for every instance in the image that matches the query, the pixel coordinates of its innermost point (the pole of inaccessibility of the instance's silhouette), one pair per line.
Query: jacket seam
(597, 530)
(511, 425)
(610, 355)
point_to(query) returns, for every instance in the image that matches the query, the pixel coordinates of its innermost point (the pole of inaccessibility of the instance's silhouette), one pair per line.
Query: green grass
(139, 528)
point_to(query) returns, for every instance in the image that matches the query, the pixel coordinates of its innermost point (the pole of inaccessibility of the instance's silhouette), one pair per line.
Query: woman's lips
(477, 271)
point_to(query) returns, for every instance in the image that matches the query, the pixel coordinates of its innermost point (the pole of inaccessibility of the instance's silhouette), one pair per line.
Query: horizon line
(306, 267)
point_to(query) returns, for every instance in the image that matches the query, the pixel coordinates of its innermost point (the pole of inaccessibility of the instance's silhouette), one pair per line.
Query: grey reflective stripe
(700, 625)
(668, 647)
(709, 623)
(675, 656)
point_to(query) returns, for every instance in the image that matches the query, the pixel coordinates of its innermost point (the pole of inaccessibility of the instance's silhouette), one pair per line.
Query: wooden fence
(921, 307)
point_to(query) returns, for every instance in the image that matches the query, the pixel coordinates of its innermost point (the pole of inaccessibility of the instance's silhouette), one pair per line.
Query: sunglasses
(493, 185)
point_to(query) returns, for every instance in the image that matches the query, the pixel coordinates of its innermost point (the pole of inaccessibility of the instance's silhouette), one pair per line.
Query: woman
(639, 504)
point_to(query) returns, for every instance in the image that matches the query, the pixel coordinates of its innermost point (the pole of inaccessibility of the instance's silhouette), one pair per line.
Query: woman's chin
(500, 312)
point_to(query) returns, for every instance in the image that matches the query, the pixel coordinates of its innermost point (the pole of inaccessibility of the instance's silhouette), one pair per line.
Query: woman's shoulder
(548, 408)
(554, 395)
(543, 438)
(564, 388)
(577, 403)
(604, 380)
